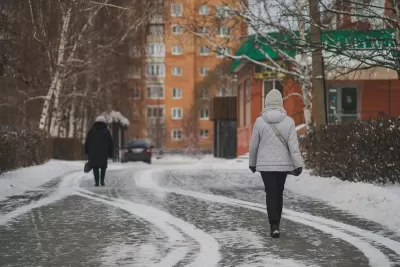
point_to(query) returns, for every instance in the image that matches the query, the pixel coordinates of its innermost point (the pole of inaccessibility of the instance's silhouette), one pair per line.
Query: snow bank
(372, 202)
(21, 180)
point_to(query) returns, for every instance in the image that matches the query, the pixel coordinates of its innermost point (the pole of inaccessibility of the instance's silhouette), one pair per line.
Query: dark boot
(275, 231)
(103, 176)
(96, 175)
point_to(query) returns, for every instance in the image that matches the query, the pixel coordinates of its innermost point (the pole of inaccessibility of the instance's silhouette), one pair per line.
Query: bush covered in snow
(22, 148)
(367, 151)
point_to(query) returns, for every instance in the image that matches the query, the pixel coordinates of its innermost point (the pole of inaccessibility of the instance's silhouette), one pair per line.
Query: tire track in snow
(375, 256)
(61, 192)
(209, 248)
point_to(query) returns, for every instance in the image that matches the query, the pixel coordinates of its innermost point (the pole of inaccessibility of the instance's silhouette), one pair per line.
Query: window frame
(179, 112)
(175, 53)
(201, 113)
(156, 46)
(220, 32)
(154, 73)
(207, 53)
(204, 68)
(202, 135)
(180, 13)
(181, 93)
(136, 93)
(174, 73)
(153, 107)
(176, 26)
(173, 134)
(202, 13)
(151, 96)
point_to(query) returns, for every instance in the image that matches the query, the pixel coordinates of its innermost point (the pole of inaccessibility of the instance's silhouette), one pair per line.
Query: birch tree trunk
(84, 125)
(304, 66)
(56, 84)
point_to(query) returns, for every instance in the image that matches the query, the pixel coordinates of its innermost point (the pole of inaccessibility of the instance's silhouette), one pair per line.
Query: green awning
(350, 39)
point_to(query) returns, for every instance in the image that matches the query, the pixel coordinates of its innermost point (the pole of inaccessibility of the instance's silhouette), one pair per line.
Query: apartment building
(175, 61)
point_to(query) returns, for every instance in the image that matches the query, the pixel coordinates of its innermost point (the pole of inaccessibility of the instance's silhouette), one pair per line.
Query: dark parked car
(138, 150)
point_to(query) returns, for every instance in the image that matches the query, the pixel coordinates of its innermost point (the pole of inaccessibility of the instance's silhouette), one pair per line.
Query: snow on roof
(116, 116)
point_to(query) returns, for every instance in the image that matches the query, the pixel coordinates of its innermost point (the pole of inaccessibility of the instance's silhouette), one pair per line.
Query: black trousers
(96, 173)
(274, 183)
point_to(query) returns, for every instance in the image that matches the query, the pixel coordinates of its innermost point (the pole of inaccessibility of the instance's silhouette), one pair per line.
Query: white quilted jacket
(267, 152)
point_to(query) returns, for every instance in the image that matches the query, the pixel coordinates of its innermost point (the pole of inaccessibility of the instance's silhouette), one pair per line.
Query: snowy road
(181, 216)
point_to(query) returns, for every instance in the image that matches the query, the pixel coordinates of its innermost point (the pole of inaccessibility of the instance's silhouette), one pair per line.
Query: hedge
(68, 149)
(23, 148)
(366, 151)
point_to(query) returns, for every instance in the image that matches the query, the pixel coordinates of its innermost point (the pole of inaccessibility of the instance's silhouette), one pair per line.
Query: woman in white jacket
(275, 153)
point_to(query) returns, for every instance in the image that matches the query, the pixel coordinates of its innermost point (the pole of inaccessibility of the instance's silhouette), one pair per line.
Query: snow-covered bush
(367, 151)
(22, 148)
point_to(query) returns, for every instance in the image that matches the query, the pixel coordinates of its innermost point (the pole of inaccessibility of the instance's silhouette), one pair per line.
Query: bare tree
(70, 57)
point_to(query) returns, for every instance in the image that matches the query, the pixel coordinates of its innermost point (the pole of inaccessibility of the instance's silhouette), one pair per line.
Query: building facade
(359, 95)
(170, 107)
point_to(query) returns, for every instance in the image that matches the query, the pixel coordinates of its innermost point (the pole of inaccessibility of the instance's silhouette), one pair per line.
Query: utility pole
(318, 75)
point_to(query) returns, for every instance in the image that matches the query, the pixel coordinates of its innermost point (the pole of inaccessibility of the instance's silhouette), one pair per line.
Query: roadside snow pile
(372, 202)
(21, 180)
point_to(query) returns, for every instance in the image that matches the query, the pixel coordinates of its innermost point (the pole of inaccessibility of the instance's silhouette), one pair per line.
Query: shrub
(23, 148)
(68, 149)
(366, 151)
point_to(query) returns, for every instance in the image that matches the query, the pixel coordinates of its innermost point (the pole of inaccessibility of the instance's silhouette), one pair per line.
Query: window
(177, 113)
(224, 31)
(223, 51)
(204, 10)
(134, 72)
(177, 29)
(204, 51)
(204, 133)
(134, 51)
(156, 92)
(155, 70)
(222, 91)
(136, 93)
(176, 134)
(177, 71)
(156, 30)
(204, 71)
(204, 30)
(176, 50)
(204, 114)
(204, 94)
(176, 93)
(155, 112)
(156, 49)
(176, 10)
(222, 11)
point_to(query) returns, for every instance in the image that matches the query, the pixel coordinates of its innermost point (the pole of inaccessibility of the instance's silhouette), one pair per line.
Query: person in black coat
(99, 147)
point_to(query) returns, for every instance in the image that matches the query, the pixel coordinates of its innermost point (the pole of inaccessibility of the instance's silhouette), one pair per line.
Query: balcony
(156, 19)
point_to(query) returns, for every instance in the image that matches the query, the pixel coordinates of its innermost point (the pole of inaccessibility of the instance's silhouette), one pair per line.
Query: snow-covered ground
(184, 211)
(25, 179)
(380, 204)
